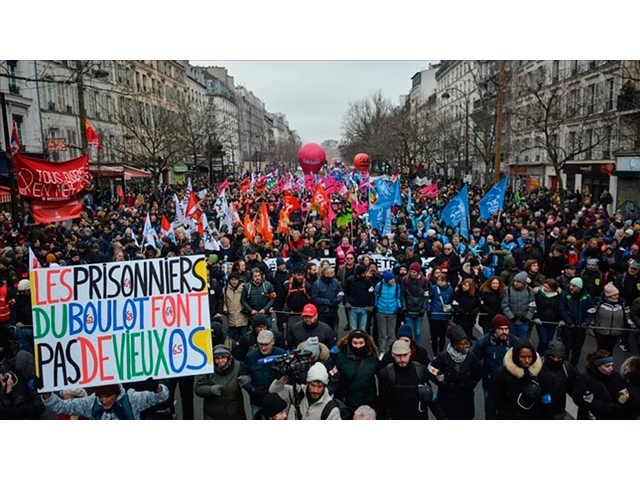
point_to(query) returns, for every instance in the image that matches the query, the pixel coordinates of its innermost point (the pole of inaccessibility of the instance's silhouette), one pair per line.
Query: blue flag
(386, 196)
(377, 216)
(493, 200)
(409, 203)
(397, 193)
(456, 213)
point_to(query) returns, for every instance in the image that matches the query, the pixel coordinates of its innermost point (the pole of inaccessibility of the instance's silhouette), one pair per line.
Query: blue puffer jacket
(387, 298)
(437, 295)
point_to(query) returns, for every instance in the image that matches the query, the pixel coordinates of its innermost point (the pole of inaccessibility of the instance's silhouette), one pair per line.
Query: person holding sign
(110, 402)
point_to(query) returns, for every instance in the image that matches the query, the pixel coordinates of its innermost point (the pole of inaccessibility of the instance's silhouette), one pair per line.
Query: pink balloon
(312, 157)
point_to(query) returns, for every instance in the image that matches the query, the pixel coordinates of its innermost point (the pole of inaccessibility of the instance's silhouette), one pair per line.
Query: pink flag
(331, 215)
(223, 186)
(430, 190)
(309, 183)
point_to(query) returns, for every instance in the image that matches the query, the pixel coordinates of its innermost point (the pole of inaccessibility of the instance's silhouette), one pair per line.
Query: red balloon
(362, 162)
(312, 157)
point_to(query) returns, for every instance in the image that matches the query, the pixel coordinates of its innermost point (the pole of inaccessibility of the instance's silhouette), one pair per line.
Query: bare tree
(550, 118)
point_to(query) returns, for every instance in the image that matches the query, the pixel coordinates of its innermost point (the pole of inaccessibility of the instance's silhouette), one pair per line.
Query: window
(573, 107)
(53, 133)
(591, 98)
(610, 94)
(12, 66)
(19, 120)
(50, 99)
(574, 67)
(571, 142)
(555, 71)
(588, 144)
(68, 100)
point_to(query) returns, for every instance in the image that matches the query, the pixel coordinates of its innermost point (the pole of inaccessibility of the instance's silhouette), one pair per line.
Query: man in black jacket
(404, 391)
(296, 294)
(359, 296)
(557, 378)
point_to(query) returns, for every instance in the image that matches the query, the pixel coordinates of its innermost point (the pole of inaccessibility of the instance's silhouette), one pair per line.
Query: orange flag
(92, 136)
(283, 222)
(264, 226)
(249, 228)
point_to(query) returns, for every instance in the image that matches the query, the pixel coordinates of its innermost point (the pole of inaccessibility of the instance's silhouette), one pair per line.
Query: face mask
(360, 351)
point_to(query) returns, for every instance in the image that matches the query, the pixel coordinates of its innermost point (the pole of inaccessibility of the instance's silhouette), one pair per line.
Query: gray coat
(519, 305)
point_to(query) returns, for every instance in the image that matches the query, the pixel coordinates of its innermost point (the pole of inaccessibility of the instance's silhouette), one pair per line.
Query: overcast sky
(314, 95)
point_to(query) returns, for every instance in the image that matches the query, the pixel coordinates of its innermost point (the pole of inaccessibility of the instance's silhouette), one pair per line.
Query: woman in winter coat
(491, 294)
(515, 393)
(466, 306)
(357, 362)
(220, 390)
(456, 371)
(547, 313)
(610, 317)
(599, 390)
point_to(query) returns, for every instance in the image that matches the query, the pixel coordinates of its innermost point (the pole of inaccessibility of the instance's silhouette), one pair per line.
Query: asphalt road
(590, 345)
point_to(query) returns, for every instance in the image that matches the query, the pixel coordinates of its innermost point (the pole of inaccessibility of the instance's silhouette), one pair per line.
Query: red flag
(49, 211)
(193, 208)
(244, 184)
(92, 136)
(223, 186)
(264, 225)
(291, 203)
(430, 190)
(320, 200)
(15, 140)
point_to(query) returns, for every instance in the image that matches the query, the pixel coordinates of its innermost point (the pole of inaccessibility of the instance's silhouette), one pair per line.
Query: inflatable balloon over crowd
(311, 157)
(362, 162)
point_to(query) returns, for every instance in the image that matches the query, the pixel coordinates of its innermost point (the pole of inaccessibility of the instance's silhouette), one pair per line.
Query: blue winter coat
(387, 298)
(324, 295)
(574, 308)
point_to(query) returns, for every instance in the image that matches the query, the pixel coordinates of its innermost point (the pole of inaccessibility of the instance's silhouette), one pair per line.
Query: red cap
(309, 310)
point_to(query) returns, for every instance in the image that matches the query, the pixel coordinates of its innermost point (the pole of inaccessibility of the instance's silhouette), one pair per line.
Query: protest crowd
(350, 296)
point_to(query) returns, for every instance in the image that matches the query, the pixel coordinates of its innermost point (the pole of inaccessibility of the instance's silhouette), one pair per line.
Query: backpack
(392, 373)
(345, 414)
(303, 289)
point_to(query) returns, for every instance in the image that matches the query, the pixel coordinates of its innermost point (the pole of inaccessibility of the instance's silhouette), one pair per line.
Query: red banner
(48, 211)
(40, 179)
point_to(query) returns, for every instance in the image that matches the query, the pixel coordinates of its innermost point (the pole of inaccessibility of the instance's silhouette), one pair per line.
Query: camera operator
(262, 374)
(320, 353)
(308, 402)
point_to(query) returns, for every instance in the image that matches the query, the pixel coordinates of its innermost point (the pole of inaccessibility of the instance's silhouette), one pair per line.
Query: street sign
(56, 144)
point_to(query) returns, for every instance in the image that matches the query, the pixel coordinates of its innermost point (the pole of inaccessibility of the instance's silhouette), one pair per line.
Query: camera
(294, 364)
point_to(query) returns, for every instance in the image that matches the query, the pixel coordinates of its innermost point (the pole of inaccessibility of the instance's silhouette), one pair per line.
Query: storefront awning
(5, 195)
(118, 171)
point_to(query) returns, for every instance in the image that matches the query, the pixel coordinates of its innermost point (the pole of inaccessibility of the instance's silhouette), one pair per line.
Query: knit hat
(405, 331)
(107, 390)
(221, 351)
(499, 321)
(318, 373)
(556, 347)
(521, 277)
(568, 266)
(213, 259)
(387, 275)
(592, 261)
(258, 320)
(273, 404)
(576, 281)
(635, 265)
(610, 290)
(430, 232)
(75, 392)
(50, 258)
(629, 231)
(456, 334)
(474, 262)
(24, 285)
(280, 261)
(312, 345)
(265, 337)
(400, 348)
(415, 266)
(360, 269)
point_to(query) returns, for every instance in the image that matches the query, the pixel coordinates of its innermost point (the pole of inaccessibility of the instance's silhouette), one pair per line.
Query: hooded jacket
(515, 393)
(557, 379)
(229, 405)
(236, 317)
(518, 305)
(357, 375)
(596, 395)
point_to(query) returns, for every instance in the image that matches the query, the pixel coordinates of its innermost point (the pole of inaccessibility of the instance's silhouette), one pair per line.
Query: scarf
(456, 356)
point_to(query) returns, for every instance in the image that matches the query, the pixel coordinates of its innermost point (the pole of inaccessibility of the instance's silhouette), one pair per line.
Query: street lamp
(446, 96)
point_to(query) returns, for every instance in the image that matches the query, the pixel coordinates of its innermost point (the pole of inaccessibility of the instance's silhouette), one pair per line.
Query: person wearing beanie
(221, 390)
(593, 279)
(491, 348)
(515, 392)
(273, 408)
(557, 379)
(359, 298)
(311, 401)
(610, 318)
(237, 318)
(320, 353)
(518, 305)
(576, 314)
(260, 374)
(414, 293)
(600, 392)
(110, 402)
(387, 303)
(456, 371)
(404, 389)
